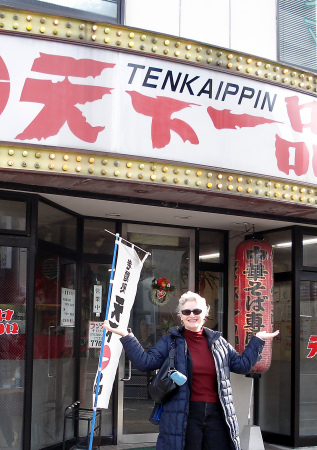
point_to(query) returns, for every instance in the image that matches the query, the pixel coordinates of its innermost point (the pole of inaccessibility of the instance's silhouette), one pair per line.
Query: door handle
(49, 353)
(130, 366)
(130, 372)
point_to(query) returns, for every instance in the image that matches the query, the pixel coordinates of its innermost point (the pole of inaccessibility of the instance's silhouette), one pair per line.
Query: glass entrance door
(53, 364)
(167, 274)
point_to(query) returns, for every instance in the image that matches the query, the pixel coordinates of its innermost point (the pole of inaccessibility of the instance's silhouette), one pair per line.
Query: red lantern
(253, 288)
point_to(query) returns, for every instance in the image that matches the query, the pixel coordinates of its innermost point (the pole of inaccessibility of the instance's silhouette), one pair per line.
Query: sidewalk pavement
(279, 447)
(151, 444)
(128, 446)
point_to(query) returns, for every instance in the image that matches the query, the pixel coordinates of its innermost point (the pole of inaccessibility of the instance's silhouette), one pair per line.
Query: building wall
(245, 25)
(248, 26)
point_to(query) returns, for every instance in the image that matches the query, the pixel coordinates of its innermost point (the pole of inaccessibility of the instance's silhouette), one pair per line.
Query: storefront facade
(181, 147)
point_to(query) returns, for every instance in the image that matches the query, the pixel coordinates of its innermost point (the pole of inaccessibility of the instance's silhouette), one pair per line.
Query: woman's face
(193, 322)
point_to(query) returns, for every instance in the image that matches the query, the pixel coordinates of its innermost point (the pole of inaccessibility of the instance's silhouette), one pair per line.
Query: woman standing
(200, 415)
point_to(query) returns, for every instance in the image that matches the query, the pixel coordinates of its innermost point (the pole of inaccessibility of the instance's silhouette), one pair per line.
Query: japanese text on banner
(127, 274)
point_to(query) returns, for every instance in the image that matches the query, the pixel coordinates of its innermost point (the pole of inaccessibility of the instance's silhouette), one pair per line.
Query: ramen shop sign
(253, 290)
(87, 98)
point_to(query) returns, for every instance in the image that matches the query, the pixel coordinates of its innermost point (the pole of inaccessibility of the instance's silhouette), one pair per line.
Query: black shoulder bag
(161, 386)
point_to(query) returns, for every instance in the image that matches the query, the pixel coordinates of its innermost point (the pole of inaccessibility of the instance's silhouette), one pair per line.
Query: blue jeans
(206, 428)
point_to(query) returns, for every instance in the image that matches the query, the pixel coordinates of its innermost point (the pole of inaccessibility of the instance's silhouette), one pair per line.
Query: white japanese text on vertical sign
(97, 298)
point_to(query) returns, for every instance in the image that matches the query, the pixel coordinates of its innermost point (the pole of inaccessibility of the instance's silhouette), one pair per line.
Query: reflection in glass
(211, 288)
(275, 384)
(308, 358)
(310, 251)
(12, 344)
(56, 226)
(12, 215)
(104, 7)
(211, 246)
(96, 239)
(281, 242)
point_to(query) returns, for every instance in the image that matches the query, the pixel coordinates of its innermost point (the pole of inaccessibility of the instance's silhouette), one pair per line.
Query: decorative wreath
(161, 291)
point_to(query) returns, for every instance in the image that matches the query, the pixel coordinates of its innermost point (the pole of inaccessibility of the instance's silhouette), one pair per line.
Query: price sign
(95, 334)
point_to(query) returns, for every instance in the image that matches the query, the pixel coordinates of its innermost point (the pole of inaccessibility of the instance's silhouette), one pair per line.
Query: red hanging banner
(253, 288)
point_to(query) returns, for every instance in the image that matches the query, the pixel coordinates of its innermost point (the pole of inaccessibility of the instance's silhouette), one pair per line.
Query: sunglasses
(196, 312)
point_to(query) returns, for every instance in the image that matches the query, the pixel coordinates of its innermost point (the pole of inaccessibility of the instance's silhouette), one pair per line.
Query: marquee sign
(72, 96)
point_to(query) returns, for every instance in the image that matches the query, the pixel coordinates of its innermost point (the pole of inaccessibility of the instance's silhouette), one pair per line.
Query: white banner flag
(125, 283)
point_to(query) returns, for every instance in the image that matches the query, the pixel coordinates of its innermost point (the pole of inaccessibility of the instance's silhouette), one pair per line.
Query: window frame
(280, 38)
(64, 11)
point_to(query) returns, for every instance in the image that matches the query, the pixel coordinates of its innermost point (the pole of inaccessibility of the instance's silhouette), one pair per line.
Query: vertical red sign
(253, 288)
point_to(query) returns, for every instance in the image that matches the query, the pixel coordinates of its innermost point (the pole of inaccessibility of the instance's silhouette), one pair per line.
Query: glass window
(310, 250)
(211, 288)
(281, 242)
(102, 7)
(56, 226)
(211, 246)
(275, 384)
(96, 239)
(308, 358)
(297, 33)
(99, 9)
(12, 215)
(12, 344)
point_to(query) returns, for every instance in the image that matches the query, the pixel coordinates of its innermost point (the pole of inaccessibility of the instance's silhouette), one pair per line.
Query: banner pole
(103, 342)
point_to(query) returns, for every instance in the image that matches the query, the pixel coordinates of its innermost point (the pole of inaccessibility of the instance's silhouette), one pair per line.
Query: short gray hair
(201, 301)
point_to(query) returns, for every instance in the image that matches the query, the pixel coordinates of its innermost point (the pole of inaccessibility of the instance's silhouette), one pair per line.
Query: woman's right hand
(120, 331)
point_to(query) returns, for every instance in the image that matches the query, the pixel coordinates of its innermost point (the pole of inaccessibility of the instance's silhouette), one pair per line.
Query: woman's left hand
(264, 335)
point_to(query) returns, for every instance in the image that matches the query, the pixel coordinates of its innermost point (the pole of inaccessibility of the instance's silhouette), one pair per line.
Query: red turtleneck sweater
(204, 381)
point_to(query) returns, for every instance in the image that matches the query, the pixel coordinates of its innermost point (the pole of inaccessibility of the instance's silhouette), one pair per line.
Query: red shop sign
(253, 288)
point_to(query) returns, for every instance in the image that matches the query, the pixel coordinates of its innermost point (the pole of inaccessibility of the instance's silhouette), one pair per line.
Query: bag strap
(172, 356)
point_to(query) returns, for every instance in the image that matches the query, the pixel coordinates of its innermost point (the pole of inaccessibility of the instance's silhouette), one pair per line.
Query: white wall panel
(248, 26)
(206, 21)
(161, 16)
(253, 27)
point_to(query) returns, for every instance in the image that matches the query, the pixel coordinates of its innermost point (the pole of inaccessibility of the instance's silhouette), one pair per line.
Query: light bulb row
(158, 172)
(117, 36)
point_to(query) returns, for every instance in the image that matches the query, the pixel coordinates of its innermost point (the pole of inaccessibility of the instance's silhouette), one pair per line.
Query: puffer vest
(173, 422)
